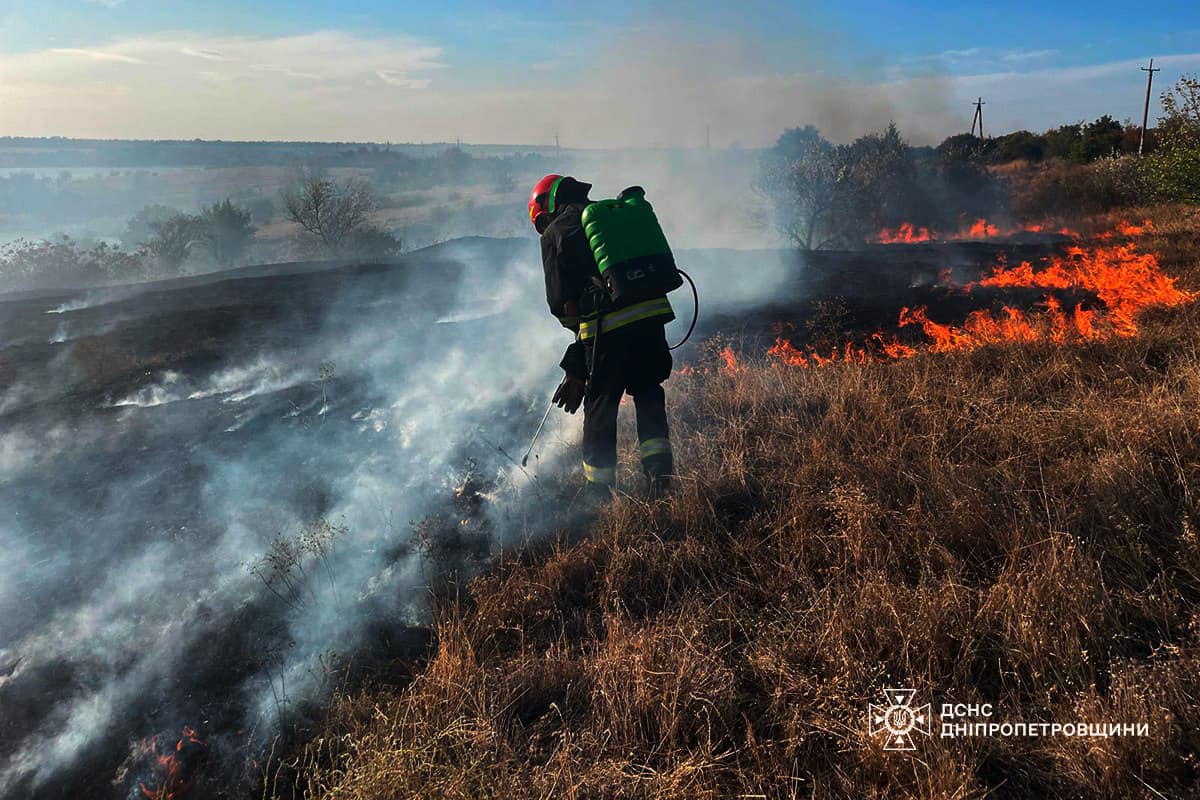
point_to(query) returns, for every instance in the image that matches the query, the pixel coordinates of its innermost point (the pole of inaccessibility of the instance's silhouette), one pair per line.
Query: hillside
(1007, 524)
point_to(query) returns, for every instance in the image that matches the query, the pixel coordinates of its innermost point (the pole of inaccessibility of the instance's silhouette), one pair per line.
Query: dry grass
(1015, 525)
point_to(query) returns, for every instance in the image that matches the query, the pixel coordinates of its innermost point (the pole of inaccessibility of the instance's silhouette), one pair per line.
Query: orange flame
(907, 233)
(1125, 281)
(729, 361)
(980, 229)
(173, 782)
(787, 353)
(1128, 229)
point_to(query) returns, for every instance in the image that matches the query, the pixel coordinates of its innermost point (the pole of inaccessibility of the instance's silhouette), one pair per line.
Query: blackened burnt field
(208, 486)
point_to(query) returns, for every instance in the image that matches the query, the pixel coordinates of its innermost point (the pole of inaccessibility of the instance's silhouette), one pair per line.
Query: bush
(372, 242)
(143, 225)
(1097, 140)
(1175, 173)
(226, 231)
(1117, 181)
(173, 241)
(1061, 188)
(1018, 146)
(65, 262)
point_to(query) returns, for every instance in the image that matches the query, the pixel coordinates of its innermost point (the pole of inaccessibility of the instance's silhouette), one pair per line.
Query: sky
(612, 74)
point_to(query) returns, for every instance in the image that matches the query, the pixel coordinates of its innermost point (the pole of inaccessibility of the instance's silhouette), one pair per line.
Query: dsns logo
(898, 719)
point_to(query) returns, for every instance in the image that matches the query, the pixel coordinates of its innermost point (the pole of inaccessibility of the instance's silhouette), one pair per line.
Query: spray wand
(538, 432)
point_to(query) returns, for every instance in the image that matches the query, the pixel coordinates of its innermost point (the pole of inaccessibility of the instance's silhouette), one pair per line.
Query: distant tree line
(1080, 142)
(819, 194)
(333, 220)
(57, 151)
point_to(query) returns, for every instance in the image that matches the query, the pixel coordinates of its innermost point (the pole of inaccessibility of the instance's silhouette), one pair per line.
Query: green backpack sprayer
(634, 262)
(632, 255)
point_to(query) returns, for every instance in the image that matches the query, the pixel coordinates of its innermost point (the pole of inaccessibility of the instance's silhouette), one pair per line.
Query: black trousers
(634, 360)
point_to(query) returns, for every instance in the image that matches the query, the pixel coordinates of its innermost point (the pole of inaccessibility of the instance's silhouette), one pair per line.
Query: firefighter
(616, 350)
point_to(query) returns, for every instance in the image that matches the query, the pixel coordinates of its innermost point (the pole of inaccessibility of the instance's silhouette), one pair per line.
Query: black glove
(575, 360)
(569, 394)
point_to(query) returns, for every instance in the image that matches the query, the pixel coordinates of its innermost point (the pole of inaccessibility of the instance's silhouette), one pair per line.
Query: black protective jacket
(567, 261)
(569, 267)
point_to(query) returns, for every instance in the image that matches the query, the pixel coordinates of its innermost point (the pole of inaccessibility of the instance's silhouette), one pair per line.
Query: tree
(173, 241)
(330, 212)
(1181, 114)
(823, 195)
(880, 184)
(962, 147)
(141, 226)
(1018, 146)
(801, 181)
(1060, 140)
(226, 231)
(1174, 168)
(261, 209)
(1097, 139)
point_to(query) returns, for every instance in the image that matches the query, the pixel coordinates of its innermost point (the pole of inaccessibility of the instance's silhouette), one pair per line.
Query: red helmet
(541, 201)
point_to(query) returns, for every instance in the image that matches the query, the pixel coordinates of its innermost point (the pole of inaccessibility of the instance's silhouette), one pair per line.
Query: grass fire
(1120, 281)
(625, 401)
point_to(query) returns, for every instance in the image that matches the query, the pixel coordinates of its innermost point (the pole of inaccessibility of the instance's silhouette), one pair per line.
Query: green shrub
(1174, 168)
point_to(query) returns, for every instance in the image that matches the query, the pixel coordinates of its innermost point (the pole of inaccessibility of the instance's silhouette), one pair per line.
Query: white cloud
(401, 79)
(210, 55)
(97, 55)
(1027, 55)
(288, 71)
(213, 86)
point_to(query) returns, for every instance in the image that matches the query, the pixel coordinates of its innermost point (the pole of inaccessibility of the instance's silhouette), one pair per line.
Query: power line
(1150, 70)
(978, 118)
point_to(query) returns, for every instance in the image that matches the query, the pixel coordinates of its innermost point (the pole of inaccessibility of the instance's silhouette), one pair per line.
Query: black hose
(695, 313)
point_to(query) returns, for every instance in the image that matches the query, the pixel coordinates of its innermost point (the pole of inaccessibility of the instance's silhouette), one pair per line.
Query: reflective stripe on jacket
(612, 320)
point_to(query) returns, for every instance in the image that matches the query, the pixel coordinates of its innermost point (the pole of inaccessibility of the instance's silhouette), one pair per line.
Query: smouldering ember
(1123, 280)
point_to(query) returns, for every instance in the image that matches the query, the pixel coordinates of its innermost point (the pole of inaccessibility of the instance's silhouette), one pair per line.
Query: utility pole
(556, 141)
(978, 118)
(1150, 70)
(708, 137)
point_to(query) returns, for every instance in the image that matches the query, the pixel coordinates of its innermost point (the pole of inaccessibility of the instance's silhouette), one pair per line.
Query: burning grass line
(1125, 281)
